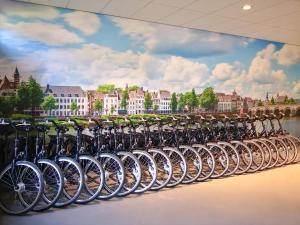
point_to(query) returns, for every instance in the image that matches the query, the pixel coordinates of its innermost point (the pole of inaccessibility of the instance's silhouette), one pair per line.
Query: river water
(292, 125)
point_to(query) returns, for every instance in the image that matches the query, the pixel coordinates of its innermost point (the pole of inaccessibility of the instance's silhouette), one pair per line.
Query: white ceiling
(275, 20)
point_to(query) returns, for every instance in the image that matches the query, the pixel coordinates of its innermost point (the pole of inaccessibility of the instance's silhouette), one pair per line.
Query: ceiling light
(247, 7)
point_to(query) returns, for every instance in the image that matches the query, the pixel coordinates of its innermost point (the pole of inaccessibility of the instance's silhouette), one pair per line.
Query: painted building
(7, 87)
(111, 103)
(136, 101)
(92, 96)
(162, 99)
(64, 96)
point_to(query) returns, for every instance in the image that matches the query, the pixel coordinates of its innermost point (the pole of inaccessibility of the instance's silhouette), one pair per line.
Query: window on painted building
(62, 95)
(69, 95)
(76, 95)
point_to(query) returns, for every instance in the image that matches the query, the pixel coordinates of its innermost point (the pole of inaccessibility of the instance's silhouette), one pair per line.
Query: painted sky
(66, 47)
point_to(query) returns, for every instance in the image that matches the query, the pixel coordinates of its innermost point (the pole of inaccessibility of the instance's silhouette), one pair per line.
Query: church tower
(16, 78)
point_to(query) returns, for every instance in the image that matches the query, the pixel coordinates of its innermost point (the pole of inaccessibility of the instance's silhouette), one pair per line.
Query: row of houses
(85, 100)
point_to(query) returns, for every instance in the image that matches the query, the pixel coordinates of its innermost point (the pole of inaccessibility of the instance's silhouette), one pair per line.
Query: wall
(65, 47)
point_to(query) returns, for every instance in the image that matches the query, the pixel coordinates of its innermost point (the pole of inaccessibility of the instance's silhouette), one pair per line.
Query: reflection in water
(292, 125)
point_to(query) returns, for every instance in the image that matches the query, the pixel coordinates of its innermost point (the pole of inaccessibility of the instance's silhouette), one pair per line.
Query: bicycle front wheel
(21, 187)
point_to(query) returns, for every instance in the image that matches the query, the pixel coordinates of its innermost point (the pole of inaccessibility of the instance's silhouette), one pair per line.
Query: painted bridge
(287, 109)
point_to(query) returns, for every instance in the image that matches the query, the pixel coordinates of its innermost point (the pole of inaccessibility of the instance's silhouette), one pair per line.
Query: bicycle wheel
(53, 184)
(21, 193)
(291, 147)
(208, 162)
(233, 157)
(274, 152)
(296, 141)
(257, 155)
(179, 166)
(221, 159)
(93, 179)
(267, 153)
(148, 168)
(193, 162)
(73, 181)
(133, 173)
(114, 175)
(244, 155)
(282, 151)
(164, 168)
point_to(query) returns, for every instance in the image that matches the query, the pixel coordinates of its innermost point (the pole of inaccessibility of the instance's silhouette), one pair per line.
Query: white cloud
(288, 55)
(296, 88)
(27, 10)
(51, 34)
(225, 71)
(162, 39)
(88, 23)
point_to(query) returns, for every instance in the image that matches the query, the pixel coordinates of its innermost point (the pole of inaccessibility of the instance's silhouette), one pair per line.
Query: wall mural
(72, 53)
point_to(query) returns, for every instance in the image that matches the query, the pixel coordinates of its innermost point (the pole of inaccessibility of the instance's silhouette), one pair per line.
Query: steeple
(16, 78)
(267, 97)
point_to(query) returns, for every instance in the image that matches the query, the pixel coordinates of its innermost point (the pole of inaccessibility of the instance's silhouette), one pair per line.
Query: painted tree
(133, 88)
(272, 101)
(208, 99)
(124, 99)
(174, 103)
(148, 101)
(191, 100)
(106, 88)
(7, 104)
(260, 103)
(156, 108)
(49, 103)
(112, 109)
(23, 98)
(29, 96)
(74, 107)
(98, 106)
(181, 103)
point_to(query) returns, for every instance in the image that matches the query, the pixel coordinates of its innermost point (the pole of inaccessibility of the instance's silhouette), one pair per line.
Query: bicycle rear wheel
(179, 166)
(244, 155)
(133, 173)
(257, 155)
(233, 157)
(148, 168)
(21, 193)
(73, 181)
(93, 179)
(164, 168)
(194, 163)
(114, 175)
(208, 162)
(53, 184)
(221, 159)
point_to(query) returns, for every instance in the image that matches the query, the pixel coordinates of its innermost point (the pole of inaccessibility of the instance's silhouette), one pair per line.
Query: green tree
(233, 109)
(272, 101)
(23, 98)
(148, 101)
(156, 108)
(191, 100)
(36, 94)
(106, 88)
(286, 100)
(133, 88)
(112, 109)
(49, 103)
(259, 103)
(181, 103)
(291, 101)
(208, 99)
(98, 105)
(124, 99)
(29, 96)
(74, 107)
(174, 103)
(7, 104)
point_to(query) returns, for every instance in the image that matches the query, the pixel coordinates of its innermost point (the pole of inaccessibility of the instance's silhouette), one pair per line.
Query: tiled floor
(265, 198)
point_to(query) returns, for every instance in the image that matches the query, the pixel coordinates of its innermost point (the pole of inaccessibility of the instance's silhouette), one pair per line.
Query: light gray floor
(265, 198)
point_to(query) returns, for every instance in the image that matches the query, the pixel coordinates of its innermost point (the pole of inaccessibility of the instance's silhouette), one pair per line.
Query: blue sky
(66, 47)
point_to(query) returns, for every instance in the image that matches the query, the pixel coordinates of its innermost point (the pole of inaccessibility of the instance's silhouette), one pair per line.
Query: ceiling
(275, 20)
